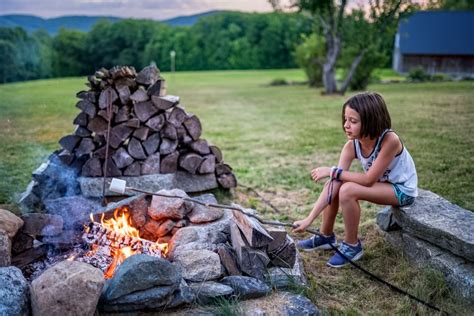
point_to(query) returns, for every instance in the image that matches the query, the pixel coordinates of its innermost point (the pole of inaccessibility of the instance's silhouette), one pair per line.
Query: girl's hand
(300, 226)
(320, 173)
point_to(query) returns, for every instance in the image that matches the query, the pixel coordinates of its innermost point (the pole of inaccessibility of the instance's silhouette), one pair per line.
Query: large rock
(279, 303)
(190, 183)
(69, 287)
(10, 223)
(440, 222)
(173, 208)
(141, 272)
(37, 224)
(150, 299)
(75, 210)
(207, 292)
(246, 287)
(458, 271)
(203, 214)
(5, 249)
(199, 265)
(14, 292)
(282, 278)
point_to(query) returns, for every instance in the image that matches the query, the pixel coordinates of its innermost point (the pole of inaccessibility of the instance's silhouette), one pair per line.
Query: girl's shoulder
(392, 140)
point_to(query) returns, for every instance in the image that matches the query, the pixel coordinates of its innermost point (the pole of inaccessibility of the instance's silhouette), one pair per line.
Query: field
(272, 137)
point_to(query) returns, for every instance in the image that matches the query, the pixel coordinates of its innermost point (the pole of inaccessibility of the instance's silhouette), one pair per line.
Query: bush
(308, 56)
(279, 82)
(418, 74)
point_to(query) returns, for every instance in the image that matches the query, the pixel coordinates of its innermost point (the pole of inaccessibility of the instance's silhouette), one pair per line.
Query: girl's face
(352, 123)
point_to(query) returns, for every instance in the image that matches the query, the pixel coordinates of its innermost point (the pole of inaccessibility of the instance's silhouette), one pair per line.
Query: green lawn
(272, 137)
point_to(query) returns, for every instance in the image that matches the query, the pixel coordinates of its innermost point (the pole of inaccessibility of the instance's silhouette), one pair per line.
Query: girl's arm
(345, 160)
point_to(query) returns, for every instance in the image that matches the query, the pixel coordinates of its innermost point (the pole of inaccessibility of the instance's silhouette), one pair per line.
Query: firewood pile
(148, 131)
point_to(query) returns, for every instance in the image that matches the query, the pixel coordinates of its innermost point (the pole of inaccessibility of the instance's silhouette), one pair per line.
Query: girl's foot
(317, 242)
(352, 252)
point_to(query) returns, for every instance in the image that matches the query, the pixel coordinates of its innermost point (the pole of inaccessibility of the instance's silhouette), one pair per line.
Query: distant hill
(32, 23)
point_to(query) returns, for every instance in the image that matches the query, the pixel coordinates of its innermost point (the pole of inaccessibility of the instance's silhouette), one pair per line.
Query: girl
(389, 176)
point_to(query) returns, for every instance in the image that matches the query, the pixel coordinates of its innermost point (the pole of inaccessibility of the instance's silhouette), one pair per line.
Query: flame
(119, 255)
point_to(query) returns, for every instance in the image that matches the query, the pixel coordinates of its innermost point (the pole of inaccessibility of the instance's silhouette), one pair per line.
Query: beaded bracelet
(338, 175)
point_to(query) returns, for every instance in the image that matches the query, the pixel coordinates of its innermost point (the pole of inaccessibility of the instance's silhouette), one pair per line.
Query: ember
(114, 240)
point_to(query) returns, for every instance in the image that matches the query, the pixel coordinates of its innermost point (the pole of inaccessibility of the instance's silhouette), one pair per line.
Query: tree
(69, 54)
(329, 16)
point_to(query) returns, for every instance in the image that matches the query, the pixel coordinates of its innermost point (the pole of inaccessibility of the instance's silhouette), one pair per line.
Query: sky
(149, 9)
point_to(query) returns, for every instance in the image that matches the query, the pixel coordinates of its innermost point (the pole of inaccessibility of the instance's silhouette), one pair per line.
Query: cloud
(155, 9)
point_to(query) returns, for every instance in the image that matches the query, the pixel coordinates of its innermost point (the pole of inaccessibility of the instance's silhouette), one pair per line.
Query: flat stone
(14, 292)
(208, 291)
(74, 210)
(434, 219)
(141, 272)
(203, 214)
(194, 245)
(297, 305)
(458, 271)
(37, 224)
(155, 298)
(246, 287)
(5, 249)
(183, 295)
(70, 287)
(199, 265)
(386, 220)
(173, 208)
(10, 223)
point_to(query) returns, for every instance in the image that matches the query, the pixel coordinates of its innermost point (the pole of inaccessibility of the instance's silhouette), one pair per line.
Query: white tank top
(401, 170)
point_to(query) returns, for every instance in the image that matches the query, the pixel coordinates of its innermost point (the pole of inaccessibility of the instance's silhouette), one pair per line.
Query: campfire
(114, 240)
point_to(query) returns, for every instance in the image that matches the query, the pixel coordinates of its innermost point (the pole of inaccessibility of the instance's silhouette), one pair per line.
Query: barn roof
(437, 33)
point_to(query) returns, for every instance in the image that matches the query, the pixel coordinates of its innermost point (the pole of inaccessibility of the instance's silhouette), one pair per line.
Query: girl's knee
(347, 191)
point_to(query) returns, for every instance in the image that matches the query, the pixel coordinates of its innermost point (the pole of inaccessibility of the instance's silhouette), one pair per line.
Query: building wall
(456, 65)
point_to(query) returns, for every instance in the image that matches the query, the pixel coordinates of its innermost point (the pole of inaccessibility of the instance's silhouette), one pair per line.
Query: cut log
(227, 181)
(279, 237)
(81, 119)
(168, 146)
(112, 170)
(223, 168)
(122, 114)
(285, 256)
(177, 116)
(29, 256)
(183, 136)
(169, 131)
(21, 242)
(166, 102)
(156, 122)
(141, 133)
(151, 165)
(122, 131)
(87, 107)
(88, 96)
(129, 82)
(139, 96)
(255, 234)
(85, 148)
(149, 75)
(97, 125)
(200, 146)
(216, 152)
(66, 157)
(124, 93)
(133, 123)
(107, 97)
(133, 170)
(115, 141)
(144, 110)
(152, 143)
(169, 163)
(193, 126)
(208, 165)
(156, 88)
(100, 153)
(99, 140)
(82, 131)
(135, 149)
(103, 114)
(121, 158)
(190, 162)
(69, 142)
(228, 260)
(92, 168)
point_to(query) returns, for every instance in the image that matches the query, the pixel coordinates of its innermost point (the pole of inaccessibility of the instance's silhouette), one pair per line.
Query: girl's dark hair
(373, 113)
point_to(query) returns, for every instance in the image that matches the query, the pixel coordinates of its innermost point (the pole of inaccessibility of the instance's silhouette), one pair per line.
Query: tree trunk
(350, 74)
(329, 67)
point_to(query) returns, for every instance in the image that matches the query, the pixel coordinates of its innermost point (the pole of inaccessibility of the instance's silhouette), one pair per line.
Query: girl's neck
(367, 143)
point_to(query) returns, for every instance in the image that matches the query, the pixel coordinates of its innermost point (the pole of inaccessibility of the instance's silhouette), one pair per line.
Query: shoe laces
(345, 248)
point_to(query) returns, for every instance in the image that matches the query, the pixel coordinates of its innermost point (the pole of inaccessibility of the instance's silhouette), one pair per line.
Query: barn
(438, 41)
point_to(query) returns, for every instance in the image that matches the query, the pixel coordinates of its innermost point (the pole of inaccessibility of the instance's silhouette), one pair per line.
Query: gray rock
(140, 272)
(190, 183)
(183, 295)
(14, 292)
(440, 222)
(74, 210)
(29, 200)
(195, 245)
(10, 223)
(173, 208)
(149, 299)
(199, 265)
(37, 224)
(459, 272)
(298, 305)
(206, 292)
(5, 249)
(70, 287)
(282, 278)
(246, 287)
(203, 214)
(386, 220)
(206, 198)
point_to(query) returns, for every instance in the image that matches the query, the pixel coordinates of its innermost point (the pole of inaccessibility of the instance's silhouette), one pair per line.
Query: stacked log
(148, 131)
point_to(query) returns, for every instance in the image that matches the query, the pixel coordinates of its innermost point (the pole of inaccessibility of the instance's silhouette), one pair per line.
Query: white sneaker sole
(357, 257)
(322, 247)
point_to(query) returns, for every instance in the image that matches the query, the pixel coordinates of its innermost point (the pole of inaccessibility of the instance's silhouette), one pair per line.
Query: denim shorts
(403, 199)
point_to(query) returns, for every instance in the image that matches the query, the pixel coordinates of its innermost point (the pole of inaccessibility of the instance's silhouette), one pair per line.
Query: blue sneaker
(317, 242)
(352, 252)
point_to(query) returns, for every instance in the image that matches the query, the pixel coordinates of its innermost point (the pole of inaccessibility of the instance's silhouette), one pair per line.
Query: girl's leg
(329, 217)
(349, 195)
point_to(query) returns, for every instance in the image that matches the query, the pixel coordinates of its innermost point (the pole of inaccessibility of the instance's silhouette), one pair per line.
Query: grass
(273, 137)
